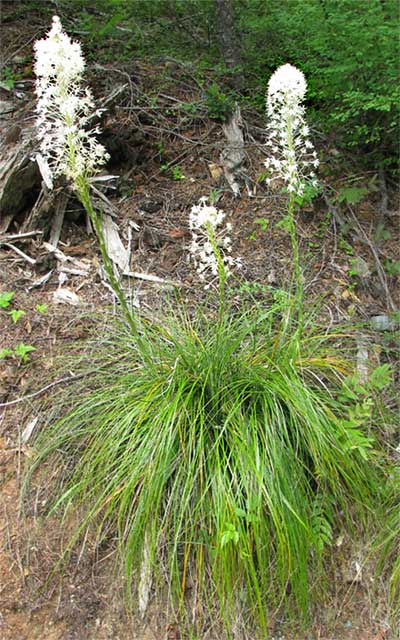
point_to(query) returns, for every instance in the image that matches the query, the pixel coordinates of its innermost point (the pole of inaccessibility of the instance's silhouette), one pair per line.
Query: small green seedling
(310, 192)
(263, 222)
(229, 535)
(5, 299)
(4, 353)
(252, 236)
(345, 246)
(219, 105)
(177, 174)
(352, 195)
(190, 108)
(215, 195)
(42, 308)
(22, 350)
(16, 314)
(8, 78)
(381, 377)
(381, 233)
(263, 176)
(392, 267)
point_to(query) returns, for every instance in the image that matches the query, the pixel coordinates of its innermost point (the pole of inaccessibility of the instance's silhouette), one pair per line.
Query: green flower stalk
(68, 145)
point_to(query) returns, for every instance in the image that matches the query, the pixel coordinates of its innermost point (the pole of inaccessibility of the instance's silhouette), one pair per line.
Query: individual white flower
(64, 108)
(291, 154)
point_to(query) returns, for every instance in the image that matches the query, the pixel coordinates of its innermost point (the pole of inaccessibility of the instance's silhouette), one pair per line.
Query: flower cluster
(68, 146)
(208, 238)
(291, 154)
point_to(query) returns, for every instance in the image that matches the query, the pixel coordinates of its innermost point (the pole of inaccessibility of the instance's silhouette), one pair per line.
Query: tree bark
(228, 41)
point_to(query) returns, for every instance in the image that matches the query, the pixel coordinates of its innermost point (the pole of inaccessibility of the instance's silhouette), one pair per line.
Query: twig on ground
(10, 237)
(362, 237)
(150, 278)
(384, 194)
(380, 271)
(19, 252)
(65, 380)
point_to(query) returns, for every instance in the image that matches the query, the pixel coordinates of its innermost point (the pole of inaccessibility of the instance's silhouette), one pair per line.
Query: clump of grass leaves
(389, 543)
(223, 449)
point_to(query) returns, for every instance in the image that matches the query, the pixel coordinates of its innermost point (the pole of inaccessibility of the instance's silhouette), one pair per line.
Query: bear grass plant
(215, 451)
(222, 448)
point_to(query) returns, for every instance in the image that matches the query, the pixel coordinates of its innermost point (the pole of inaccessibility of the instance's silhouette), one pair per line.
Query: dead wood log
(19, 177)
(40, 214)
(232, 156)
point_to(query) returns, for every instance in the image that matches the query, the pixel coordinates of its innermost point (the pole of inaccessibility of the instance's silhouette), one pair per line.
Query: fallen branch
(43, 389)
(150, 278)
(58, 219)
(379, 269)
(19, 252)
(19, 236)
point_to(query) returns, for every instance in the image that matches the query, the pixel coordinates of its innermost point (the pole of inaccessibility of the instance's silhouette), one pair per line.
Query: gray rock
(361, 268)
(384, 323)
(6, 107)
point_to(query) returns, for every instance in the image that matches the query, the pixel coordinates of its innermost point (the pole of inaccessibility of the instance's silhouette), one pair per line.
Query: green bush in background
(348, 49)
(349, 52)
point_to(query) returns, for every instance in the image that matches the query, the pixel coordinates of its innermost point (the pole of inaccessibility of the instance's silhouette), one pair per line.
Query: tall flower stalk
(68, 146)
(291, 155)
(211, 247)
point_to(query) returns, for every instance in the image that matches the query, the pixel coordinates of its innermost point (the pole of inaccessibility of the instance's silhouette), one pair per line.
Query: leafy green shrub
(219, 105)
(213, 448)
(349, 52)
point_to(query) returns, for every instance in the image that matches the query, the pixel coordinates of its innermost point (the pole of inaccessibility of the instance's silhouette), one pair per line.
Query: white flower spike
(64, 108)
(205, 222)
(291, 154)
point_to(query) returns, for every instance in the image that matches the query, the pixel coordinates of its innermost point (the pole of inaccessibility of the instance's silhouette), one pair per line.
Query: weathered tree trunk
(19, 178)
(232, 156)
(228, 41)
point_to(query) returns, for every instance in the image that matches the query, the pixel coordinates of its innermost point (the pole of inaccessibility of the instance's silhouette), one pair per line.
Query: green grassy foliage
(389, 543)
(221, 448)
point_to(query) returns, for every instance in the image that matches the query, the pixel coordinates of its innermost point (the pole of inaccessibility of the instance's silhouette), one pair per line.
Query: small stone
(6, 107)
(271, 278)
(383, 323)
(361, 268)
(215, 170)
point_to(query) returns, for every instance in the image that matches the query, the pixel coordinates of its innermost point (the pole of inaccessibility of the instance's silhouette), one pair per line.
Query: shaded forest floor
(166, 156)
